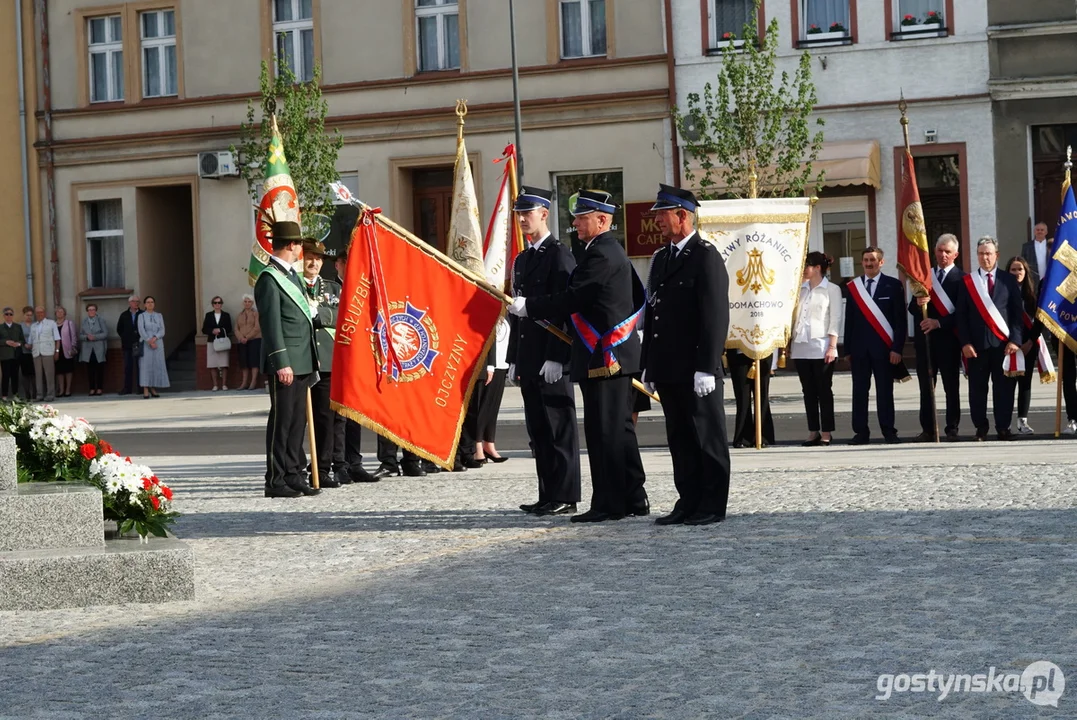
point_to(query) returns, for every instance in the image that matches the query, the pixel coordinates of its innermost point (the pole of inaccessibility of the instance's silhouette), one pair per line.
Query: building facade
(865, 55)
(139, 89)
(1033, 53)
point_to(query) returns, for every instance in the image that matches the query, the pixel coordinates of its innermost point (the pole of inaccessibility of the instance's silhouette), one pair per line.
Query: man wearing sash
(604, 300)
(875, 332)
(989, 327)
(289, 360)
(537, 359)
(687, 321)
(936, 338)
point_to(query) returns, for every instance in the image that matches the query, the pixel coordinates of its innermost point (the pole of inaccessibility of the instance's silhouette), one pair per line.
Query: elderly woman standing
(152, 372)
(217, 326)
(815, 346)
(26, 357)
(249, 336)
(69, 352)
(93, 336)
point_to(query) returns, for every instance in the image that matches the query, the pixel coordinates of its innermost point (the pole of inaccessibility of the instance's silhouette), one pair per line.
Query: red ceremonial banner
(914, 255)
(409, 377)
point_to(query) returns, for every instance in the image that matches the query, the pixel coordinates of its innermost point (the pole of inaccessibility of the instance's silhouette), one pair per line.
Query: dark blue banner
(1058, 289)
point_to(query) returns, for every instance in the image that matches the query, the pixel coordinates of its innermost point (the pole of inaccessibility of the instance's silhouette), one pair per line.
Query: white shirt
(1041, 255)
(818, 318)
(535, 245)
(946, 271)
(986, 274)
(217, 317)
(287, 267)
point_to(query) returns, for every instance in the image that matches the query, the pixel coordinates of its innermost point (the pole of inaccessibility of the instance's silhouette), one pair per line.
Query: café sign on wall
(642, 237)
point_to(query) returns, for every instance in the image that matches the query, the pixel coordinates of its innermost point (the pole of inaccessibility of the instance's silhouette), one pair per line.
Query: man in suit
(537, 358)
(1037, 250)
(127, 329)
(347, 434)
(989, 328)
(289, 359)
(603, 299)
(935, 337)
(875, 332)
(687, 321)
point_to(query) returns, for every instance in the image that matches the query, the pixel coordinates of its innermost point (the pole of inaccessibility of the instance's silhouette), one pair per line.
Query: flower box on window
(817, 37)
(727, 39)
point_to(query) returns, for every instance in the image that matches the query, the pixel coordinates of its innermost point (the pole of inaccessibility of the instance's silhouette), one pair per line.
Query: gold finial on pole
(753, 179)
(1069, 162)
(904, 107)
(461, 111)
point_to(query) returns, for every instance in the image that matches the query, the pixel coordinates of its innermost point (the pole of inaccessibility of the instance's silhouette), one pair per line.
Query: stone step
(120, 571)
(9, 478)
(51, 515)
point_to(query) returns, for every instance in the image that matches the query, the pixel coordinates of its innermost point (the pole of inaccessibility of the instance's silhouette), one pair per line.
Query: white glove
(551, 371)
(518, 307)
(704, 383)
(512, 372)
(649, 387)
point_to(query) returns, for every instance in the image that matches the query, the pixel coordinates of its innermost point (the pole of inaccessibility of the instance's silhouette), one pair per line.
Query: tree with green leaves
(752, 120)
(311, 152)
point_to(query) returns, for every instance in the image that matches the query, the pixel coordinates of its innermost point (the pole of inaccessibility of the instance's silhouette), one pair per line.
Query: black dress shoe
(555, 508)
(952, 436)
(532, 507)
(860, 440)
(642, 510)
(342, 477)
(981, 436)
(384, 471)
(704, 519)
(814, 442)
(592, 516)
(413, 470)
(677, 517)
(458, 466)
(739, 444)
(328, 482)
(305, 489)
(473, 464)
(282, 491)
(924, 437)
(1005, 435)
(894, 440)
(360, 475)
(431, 468)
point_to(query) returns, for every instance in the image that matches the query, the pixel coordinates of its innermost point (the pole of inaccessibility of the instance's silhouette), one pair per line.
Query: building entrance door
(432, 204)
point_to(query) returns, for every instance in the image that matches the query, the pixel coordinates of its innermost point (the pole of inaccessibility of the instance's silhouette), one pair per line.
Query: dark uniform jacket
(543, 271)
(860, 336)
(284, 315)
(605, 290)
(327, 293)
(687, 318)
(971, 328)
(954, 285)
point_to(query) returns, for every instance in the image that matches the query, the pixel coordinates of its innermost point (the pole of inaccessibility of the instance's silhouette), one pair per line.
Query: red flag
(409, 376)
(914, 258)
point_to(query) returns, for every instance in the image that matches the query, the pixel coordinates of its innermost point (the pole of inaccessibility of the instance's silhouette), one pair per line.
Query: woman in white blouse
(815, 346)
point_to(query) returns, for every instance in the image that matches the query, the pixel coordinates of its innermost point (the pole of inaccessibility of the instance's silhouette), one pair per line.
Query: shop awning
(849, 162)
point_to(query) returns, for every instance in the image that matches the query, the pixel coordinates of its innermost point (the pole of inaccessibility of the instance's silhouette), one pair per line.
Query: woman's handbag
(222, 344)
(136, 349)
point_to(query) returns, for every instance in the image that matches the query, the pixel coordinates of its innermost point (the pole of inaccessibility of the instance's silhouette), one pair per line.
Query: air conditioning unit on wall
(217, 164)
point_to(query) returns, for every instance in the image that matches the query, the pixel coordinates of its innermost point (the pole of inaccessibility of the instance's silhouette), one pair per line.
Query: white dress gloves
(518, 307)
(551, 371)
(704, 383)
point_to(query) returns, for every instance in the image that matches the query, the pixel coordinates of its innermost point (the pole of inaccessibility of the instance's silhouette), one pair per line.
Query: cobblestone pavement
(435, 598)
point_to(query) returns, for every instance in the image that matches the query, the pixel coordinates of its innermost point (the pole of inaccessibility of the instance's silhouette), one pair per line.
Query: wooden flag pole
(758, 406)
(313, 445)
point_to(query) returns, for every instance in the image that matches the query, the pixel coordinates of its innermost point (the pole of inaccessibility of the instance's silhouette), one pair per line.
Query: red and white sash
(942, 302)
(986, 306)
(870, 310)
(1044, 364)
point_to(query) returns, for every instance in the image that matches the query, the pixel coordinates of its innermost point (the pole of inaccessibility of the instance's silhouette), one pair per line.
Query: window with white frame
(105, 43)
(913, 15)
(104, 243)
(825, 16)
(583, 28)
(728, 18)
(159, 71)
(437, 24)
(293, 31)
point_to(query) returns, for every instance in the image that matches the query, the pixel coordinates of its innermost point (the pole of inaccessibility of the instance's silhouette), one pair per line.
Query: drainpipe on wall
(671, 68)
(22, 150)
(50, 166)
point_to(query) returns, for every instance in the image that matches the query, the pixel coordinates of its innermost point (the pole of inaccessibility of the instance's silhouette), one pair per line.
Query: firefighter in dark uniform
(604, 299)
(537, 358)
(687, 321)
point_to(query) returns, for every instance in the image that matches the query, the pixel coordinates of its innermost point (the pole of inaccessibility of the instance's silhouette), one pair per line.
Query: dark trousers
(617, 474)
(984, 368)
(550, 416)
(324, 425)
(945, 354)
(489, 405)
(387, 455)
(95, 372)
(347, 434)
(817, 384)
(130, 370)
(9, 377)
(696, 432)
(1024, 382)
(864, 368)
(26, 365)
(1069, 383)
(744, 393)
(285, 459)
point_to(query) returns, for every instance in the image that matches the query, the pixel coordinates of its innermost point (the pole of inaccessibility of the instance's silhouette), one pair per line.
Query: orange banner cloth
(441, 325)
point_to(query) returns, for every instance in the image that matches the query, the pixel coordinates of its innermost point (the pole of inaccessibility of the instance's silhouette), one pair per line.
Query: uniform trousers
(325, 435)
(387, 456)
(696, 433)
(1069, 383)
(986, 368)
(550, 416)
(945, 356)
(285, 459)
(130, 367)
(617, 474)
(865, 367)
(347, 434)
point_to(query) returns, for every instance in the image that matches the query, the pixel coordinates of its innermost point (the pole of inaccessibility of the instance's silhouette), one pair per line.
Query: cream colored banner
(763, 243)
